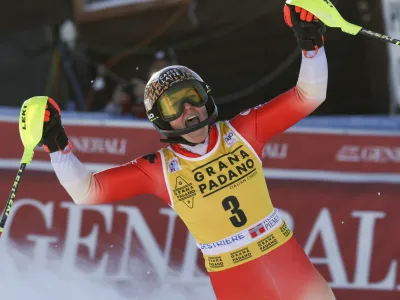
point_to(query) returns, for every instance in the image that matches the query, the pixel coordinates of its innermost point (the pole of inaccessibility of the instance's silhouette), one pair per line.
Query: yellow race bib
(222, 197)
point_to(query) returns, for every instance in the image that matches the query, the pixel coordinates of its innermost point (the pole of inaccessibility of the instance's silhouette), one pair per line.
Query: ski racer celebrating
(211, 174)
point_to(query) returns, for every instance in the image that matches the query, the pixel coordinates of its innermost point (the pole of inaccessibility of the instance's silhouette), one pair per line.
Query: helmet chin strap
(181, 140)
(177, 140)
(180, 132)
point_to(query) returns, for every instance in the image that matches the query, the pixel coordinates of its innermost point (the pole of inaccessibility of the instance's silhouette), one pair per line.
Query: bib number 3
(239, 217)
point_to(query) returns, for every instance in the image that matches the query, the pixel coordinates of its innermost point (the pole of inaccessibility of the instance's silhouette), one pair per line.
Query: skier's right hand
(54, 138)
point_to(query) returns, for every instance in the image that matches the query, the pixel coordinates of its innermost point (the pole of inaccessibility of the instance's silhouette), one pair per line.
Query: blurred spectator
(161, 61)
(129, 98)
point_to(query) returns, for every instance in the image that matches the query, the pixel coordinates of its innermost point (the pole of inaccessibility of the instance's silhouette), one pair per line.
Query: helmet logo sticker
(169, 76)
(165, 80)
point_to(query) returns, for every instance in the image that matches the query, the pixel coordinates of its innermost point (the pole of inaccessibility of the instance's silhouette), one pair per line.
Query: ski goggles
(171, 102)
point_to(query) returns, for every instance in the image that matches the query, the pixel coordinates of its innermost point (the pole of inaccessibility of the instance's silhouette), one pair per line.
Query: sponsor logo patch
(184, 191)
(241, 255)
(173, 165)
(230, 138)
(257, 230)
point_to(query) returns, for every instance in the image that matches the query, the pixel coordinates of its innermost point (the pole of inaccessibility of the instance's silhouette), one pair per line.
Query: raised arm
(259, 124)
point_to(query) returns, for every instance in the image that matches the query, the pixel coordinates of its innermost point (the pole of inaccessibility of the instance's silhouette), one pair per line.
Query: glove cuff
(309, 37)
(311, 44)
(59, 144)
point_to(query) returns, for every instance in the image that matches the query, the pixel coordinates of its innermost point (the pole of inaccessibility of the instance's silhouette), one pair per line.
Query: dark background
(232, 44)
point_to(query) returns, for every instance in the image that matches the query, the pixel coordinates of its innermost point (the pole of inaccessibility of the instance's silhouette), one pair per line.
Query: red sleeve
(259, 124)
(137, 177)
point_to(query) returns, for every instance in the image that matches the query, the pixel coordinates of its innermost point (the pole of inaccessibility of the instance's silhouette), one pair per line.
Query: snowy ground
(21, 281)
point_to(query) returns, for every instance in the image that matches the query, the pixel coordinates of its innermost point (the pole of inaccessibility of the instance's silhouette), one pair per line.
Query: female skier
(211, 174)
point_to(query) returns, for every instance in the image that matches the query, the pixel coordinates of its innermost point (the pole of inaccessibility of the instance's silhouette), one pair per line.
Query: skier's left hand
(54, 138)
(308, 29)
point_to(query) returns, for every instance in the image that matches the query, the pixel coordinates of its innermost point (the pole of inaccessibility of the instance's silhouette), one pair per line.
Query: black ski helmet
(170, 80)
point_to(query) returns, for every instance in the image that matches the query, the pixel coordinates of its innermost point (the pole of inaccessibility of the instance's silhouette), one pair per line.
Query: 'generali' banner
(339, 192)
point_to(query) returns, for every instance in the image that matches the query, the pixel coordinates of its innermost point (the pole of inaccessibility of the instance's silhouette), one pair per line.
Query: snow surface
(20, 280)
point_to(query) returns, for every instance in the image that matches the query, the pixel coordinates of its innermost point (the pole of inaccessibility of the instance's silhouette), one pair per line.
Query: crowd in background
(247, 55)
(127, 99)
